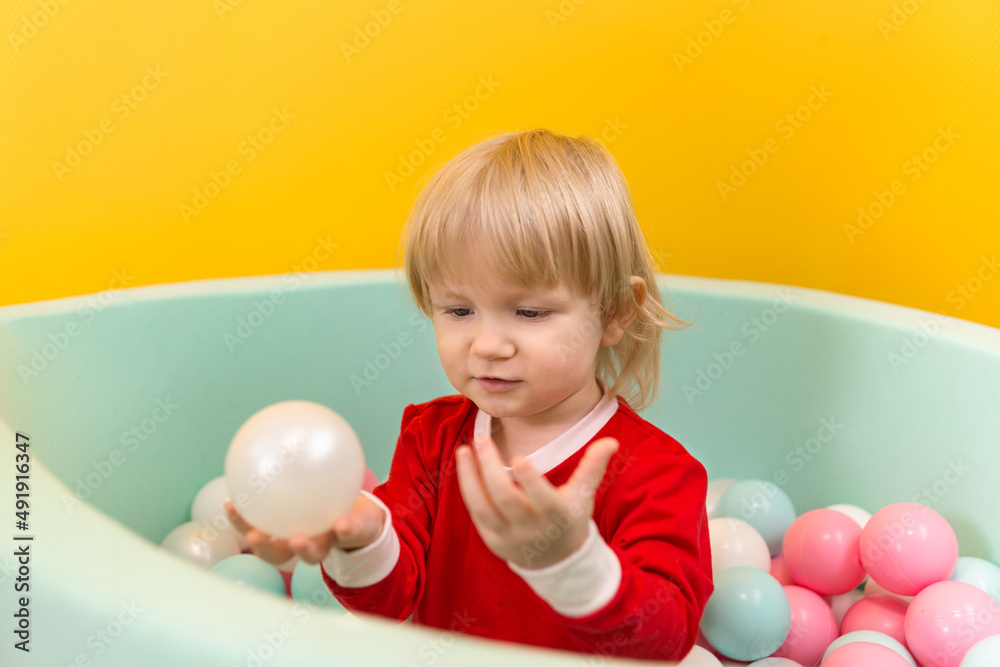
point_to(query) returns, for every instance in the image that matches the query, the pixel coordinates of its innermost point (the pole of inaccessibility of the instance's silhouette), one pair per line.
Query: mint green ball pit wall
(130, 399)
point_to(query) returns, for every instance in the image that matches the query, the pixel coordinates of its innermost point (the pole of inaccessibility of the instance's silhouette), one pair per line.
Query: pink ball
(813, 627)
(881, 613)
(370, 481)
(779, 571)
(946, 619)
(820, 550)
(864, 654)
(906, 547)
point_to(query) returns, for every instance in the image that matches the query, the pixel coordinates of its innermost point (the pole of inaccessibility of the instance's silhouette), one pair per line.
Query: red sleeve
(650, 509)
(411, 494)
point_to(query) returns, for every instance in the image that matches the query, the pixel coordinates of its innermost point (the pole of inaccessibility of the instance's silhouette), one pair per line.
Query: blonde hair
(548, 207)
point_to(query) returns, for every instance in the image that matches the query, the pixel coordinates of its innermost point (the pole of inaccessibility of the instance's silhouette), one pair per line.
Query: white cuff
(369, 564)
(581, 583)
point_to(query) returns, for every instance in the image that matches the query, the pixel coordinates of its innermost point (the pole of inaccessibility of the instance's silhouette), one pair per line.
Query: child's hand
(537, 524)
(356, 529)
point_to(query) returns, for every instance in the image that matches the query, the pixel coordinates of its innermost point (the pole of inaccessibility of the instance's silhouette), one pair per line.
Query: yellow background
(682, 93)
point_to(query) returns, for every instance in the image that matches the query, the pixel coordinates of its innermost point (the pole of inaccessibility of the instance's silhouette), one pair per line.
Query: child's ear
(615, 329)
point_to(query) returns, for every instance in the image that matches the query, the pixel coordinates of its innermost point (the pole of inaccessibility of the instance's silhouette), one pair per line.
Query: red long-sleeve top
(649, 509)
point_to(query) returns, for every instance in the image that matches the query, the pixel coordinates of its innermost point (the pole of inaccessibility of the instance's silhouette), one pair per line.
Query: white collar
(554, 452)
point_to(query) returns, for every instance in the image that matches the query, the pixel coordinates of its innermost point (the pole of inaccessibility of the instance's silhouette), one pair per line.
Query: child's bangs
(496, 225)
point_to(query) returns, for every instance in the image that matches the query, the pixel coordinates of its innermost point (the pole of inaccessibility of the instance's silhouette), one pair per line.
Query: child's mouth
(495, 384)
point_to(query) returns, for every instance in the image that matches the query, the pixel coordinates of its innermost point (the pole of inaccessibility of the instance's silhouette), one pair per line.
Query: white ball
(735, 542)
(859, 514)
(981, 573)
(207, 507)
(200, 543)
(984, 653)
(299, 463)
(699, 656)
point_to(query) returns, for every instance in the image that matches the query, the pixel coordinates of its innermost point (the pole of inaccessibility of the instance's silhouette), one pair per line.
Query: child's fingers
(235, 518)
(470, 484)
(356, 529)
(539, 490)
(311, 549)
(584, 481)
(274, 552)
(507, 498)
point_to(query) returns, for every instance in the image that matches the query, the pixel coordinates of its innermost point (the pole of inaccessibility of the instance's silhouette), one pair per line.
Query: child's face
(543, 342)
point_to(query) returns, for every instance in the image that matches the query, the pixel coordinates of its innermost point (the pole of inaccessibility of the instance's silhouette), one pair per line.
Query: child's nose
(492, 341)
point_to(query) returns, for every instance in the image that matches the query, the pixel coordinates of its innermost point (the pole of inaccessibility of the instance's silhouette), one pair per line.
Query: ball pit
(826, 552)
(824, 358)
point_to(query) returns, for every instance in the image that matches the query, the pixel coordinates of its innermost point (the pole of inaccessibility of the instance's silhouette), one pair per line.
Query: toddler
(535, 505)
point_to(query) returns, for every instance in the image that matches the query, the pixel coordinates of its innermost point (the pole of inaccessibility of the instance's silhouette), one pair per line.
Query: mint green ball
(748, 615)
(249, 570)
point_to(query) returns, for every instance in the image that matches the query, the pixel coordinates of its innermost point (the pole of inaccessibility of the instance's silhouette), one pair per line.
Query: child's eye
(527, 313)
